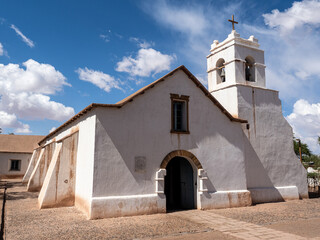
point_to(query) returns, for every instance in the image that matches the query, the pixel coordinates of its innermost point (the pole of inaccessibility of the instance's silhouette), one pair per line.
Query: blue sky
(57, 57)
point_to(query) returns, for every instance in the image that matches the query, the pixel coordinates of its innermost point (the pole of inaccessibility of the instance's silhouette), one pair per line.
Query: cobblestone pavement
(288, 220)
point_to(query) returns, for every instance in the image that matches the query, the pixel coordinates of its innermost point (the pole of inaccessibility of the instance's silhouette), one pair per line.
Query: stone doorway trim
(180, 153)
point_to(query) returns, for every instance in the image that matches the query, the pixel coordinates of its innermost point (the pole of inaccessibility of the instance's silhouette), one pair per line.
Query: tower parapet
(235, 61)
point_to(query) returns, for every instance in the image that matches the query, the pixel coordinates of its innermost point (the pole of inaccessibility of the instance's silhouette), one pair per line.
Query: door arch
(180, 153)
(179, 185)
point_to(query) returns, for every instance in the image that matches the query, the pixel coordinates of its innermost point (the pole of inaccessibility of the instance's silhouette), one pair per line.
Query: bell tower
(235, 61)
(236, 78)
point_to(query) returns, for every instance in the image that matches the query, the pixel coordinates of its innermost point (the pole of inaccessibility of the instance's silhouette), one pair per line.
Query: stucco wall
(85, 126)
(59, 184)
(85, 159)
(271, 163)
(271, 138)
(142, 127)
(5, 163)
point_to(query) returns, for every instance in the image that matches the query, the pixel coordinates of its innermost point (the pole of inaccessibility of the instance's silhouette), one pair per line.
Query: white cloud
(1, 50)
(108, 35)
(194, 25)
(37, 77)
(35, 106)
(203, 79)
(300, 14)
(52, 129)
(24, 91)
(11, 121)
(147, 62)
(292, 56)
(141, 42)
(28, 41)
(100, 79)
(105, 37)
(185, 19)
(305, 121)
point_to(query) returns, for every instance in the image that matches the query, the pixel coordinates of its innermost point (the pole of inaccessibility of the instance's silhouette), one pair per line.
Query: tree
(305, 151)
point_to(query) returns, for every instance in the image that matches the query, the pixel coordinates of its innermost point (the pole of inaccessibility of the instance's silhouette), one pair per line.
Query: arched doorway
(179, 184)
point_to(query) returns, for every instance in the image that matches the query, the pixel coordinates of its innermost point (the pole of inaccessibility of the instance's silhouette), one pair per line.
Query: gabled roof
(19, 143)
(142, 91)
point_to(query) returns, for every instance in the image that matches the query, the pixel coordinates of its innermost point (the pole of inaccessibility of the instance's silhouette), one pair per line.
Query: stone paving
(235, 228)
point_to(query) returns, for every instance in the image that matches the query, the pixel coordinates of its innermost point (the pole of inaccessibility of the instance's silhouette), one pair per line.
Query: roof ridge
(142, 91)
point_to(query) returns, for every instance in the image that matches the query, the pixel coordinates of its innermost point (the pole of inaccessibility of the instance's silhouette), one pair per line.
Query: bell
(223, 73)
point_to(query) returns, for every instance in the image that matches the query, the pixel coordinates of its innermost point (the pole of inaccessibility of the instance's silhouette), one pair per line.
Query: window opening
(15, 165)
(249, 69)
(179, 105)
(221, 71)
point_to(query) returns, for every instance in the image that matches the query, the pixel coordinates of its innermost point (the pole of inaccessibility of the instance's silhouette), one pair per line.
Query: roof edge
(140, 92)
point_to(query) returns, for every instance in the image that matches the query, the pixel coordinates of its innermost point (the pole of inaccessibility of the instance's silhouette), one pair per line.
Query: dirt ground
(25, 221)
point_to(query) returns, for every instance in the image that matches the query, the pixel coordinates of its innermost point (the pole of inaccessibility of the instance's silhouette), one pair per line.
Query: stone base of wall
(275, 194)
(119, 206)
(224, 199)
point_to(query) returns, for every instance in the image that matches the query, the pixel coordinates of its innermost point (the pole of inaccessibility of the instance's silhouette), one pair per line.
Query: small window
(179, 113)
(15, 165)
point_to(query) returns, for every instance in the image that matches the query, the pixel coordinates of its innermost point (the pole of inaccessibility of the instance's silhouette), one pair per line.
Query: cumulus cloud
(300, 14)
(305, 121)
(147, 62)
(100, 79)
(11, 121)
(36, 77)
(24, 90)
(193, 25)
(35, 106)
(28, 41)
(292, 40)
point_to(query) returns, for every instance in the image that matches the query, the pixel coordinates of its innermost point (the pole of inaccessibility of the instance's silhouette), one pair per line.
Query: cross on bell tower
(233, 22)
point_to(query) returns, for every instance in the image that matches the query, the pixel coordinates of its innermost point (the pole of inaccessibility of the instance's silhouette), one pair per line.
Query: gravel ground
(25, 221)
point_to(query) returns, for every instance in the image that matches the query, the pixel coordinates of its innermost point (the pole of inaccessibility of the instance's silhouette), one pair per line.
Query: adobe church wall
(270, 159)
(5, 164)
(141, 130)
(85, 126)
(85, 162)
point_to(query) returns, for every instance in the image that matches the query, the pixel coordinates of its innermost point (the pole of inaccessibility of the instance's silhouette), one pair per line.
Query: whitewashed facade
(175, 145)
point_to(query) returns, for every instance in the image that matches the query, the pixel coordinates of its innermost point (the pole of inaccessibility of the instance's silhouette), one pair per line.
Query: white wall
(271, 138)
(85, 159)
(142, 128)
(85, 126)
(5, 163)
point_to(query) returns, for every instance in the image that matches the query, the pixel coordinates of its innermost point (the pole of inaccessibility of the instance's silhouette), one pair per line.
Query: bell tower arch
(243, 62)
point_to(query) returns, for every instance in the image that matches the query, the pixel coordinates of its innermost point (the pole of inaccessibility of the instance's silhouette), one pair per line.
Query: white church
(176, 145)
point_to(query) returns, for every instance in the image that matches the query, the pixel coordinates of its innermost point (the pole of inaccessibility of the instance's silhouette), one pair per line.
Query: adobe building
(176, 145)
(15, 154)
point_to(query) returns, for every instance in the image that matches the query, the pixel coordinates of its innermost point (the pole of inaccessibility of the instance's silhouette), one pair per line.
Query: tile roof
(19, 143)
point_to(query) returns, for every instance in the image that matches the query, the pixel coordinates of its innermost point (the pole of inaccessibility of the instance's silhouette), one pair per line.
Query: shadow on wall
(258, 182)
